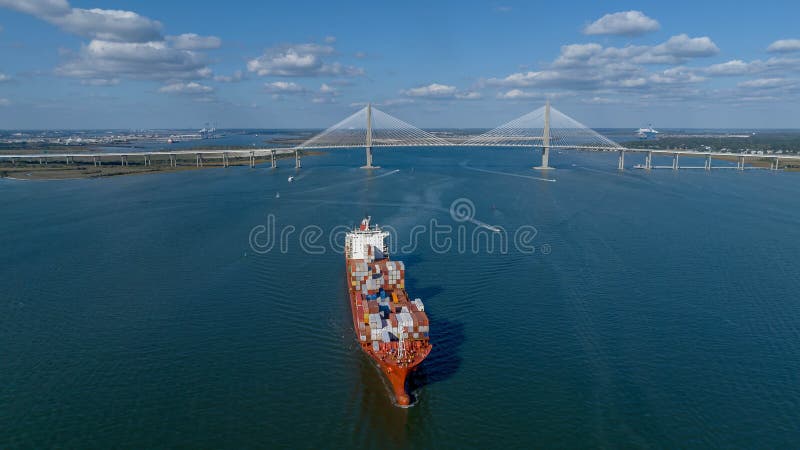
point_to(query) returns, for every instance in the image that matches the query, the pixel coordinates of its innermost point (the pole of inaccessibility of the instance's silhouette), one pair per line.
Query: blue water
(656, 309)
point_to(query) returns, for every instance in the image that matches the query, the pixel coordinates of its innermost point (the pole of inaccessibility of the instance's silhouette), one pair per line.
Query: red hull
(395, 368)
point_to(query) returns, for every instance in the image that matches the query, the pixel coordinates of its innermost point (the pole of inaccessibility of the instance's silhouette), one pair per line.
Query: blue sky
(145, 64)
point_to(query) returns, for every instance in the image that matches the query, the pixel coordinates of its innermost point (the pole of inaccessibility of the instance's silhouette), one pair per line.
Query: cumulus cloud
(627, 23)
(440, 91)
(517, 94)
(284, 87)
(105, 24)
(300, 60)
(190, 88)
(192, 41)
(784, 46)
(766, 83)
(123, 44)
(328, 90)
(730, 68)
(236, 76)
(683, 46)
(38, 8)
(139, 60)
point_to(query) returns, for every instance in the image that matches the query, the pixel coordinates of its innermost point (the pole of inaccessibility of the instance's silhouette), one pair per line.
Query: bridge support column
(224, 159)
(648, 161)
(621, 164)
(296, 158)
(368, 143)
(252, 159)
(775, 165)
(274, 161)
(173, 161)
(708, 162)
(69, 159)
(546, 139)
(123, 160)
(40, 161)
(675, 161)
(740, 163)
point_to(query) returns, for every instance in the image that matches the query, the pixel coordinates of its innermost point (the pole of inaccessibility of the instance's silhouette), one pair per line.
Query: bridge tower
(368, 143)
(546, 139)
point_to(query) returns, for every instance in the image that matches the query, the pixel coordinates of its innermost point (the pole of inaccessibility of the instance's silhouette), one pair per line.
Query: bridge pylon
(545, 140)
(368, 142)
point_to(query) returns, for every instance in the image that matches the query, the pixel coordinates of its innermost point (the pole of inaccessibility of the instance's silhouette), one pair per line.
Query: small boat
(277, 195)
(291, 179)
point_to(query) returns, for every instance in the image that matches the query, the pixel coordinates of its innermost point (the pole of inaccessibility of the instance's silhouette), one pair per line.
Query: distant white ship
(646, 133)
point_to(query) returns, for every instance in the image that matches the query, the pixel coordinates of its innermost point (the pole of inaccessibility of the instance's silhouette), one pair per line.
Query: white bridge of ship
(545, 128)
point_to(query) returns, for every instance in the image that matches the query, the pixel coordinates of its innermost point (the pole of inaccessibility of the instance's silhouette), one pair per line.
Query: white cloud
(327, 90)
(766, 83)
(190, 88)
(192, 41)
(784, 46)
(468, 95)
(627, 23)
(38, 7)
(123, 44)
(284, 87)
(5, 102)
(440, 92)
(140, 60)
(683, 46)
(330, 39)
(300, 60)
(517, 94)
(676, 75)
(233, 78)
(4, 77)
(733, 67)
(104, 24)
(433, 90)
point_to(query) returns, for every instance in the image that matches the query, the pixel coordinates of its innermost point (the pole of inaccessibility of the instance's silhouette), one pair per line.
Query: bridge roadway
(225, 155)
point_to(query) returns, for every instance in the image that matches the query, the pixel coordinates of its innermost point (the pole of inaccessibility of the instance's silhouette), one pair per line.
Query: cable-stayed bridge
(543, 129)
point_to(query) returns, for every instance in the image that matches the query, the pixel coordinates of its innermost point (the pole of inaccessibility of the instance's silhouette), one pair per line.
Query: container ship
(392, 329)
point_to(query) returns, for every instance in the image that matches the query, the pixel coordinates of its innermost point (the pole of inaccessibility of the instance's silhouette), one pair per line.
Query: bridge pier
(675, 161)
(274, 161)
(224, 159)
(708, 162)
(69, 159)
(198, 160)
(621, 164)
(546, 139)
(252, 160)
(648, 161)
(775, 165)
(740, 163)
(123, 160)
(296, 158)
(173, 160)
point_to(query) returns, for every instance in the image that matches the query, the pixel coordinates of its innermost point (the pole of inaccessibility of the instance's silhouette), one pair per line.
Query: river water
(639, 309)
